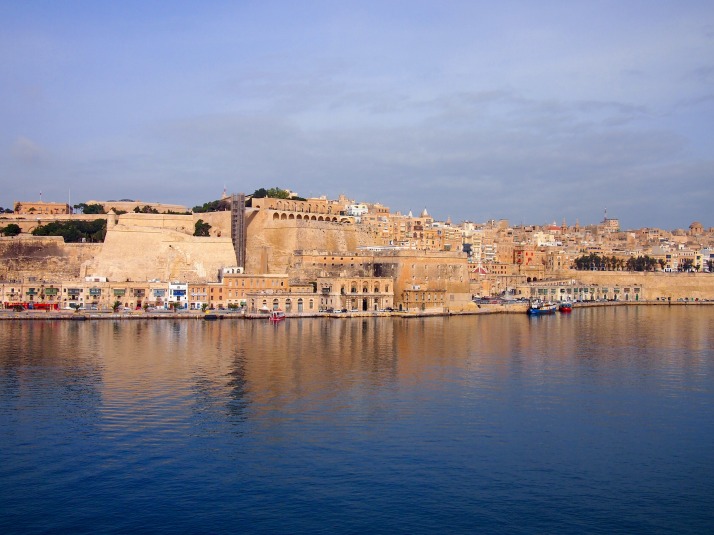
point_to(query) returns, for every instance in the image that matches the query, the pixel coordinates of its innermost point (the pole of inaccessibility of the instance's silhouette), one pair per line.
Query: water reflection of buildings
(161, 373)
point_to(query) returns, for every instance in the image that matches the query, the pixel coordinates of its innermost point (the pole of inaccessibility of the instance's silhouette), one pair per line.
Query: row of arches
(286, 304)
(301, 206)
(283, 216)
(354, 286)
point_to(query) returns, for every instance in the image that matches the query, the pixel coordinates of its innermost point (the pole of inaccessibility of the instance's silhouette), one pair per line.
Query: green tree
(116, 306)
(146, 209)
(221, 205)
(12, 229)
(88, 209)
(710, 265)
(641, 263)
(686, 264)
(274, 193)
(74, 231)
(201, 228)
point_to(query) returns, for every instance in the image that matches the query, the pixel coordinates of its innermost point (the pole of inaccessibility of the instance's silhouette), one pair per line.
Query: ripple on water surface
(599, 421)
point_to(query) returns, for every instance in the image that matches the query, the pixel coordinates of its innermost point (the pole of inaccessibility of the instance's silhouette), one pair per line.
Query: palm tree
(686, 264)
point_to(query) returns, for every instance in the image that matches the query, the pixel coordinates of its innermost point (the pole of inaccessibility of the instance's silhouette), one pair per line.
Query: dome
(424, 213)
(696, 228)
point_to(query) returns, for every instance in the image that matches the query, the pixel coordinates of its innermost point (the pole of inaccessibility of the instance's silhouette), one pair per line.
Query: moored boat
(538, 307)
(276, 315)
(565, 307)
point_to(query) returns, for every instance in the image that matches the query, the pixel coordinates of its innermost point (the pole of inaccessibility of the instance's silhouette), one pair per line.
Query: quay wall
(656, 285)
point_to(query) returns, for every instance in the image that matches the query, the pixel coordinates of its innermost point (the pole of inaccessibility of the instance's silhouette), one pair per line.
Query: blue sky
(529, 111)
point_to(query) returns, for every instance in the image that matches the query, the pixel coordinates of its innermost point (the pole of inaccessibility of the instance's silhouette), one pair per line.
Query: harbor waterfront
(503, 307)
(597, 421)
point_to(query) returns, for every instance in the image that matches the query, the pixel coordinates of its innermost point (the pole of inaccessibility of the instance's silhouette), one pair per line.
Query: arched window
(300, 304)
(276, 304)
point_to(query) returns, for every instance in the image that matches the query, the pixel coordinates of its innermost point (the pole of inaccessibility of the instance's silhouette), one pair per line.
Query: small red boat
(277, 315)
(565, 307)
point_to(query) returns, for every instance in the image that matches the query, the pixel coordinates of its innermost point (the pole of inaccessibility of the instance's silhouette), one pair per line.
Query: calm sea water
(601, 421)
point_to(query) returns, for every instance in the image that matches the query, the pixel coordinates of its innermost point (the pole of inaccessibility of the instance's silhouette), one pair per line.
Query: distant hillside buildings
(318, 254)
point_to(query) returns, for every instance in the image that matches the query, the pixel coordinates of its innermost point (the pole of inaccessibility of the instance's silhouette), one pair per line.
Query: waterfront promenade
(507, 307)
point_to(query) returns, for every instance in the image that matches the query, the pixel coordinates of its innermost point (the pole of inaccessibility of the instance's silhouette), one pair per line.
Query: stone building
(355, 293)
(574, 290)
(131, 205)
(414, 272)
(41, 208)
(315, 209)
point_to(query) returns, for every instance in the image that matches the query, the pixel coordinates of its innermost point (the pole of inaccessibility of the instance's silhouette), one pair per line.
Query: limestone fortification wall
(186, 224)
(129, 206)
(28, 223)
(45, 258)
(144, 253)
(148, 246)
(271, 242)
(162, 246)
(220, 223)
(656, 285)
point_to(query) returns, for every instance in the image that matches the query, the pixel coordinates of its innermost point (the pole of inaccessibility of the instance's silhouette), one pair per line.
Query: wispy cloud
(521, 111)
